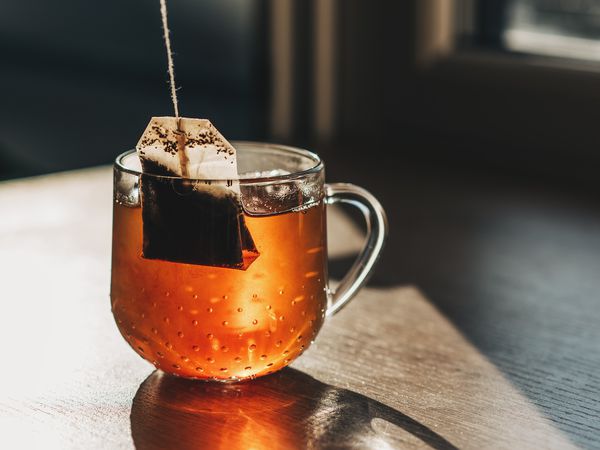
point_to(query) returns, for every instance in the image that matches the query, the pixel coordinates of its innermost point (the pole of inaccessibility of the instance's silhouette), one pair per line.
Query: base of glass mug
(230, 380)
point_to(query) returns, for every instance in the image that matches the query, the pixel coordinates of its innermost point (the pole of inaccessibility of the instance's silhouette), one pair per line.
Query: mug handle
(377, 229)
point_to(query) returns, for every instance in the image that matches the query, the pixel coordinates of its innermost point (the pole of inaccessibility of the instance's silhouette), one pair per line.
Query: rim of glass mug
(245, 147)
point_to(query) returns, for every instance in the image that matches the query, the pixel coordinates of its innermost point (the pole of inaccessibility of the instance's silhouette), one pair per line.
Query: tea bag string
(183, 159)
(167, 38)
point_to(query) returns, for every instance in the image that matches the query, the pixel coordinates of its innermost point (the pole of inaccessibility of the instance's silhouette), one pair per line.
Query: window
(557, 28)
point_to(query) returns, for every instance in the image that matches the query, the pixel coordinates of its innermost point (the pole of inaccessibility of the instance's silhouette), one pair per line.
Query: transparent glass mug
(226, 324)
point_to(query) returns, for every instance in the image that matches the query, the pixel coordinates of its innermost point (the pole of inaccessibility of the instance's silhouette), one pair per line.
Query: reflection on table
(286, 410)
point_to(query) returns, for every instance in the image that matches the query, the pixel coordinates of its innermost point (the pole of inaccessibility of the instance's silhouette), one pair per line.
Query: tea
(221, 323)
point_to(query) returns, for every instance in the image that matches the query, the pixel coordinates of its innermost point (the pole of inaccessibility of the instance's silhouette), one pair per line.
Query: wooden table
(390, 371)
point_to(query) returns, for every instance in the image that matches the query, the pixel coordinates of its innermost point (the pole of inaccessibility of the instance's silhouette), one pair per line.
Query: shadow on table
(286, 410)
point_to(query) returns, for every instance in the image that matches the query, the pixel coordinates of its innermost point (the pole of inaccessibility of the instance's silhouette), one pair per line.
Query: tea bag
(185, 219)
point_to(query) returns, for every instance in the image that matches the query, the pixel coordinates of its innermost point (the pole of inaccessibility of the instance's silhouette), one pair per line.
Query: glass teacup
(226, 324)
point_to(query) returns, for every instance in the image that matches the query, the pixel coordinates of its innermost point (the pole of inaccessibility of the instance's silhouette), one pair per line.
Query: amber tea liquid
(219, 323)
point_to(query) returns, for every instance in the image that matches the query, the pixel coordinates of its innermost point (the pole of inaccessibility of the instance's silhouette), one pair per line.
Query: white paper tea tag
(207, 155)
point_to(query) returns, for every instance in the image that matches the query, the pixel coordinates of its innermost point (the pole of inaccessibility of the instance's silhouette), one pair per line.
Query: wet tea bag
(185, 219)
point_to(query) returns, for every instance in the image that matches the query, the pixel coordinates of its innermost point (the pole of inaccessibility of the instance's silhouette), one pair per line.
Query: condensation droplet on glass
(252, 347)
(240, 309)
(254, 322)
(210, 360)
(180, 334)
(225, 323)
(195, 322)
(209, 336)
(224, 349)
(263, 357)
(195, 348)
(209, 310)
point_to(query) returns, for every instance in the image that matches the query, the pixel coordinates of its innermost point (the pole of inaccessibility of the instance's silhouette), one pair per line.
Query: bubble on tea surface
(281, 194)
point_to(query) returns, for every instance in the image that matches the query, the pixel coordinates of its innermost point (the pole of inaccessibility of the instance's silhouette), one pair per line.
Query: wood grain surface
(392, 370)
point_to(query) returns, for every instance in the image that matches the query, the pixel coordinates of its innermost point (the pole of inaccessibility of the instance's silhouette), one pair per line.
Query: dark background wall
(79, 80)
